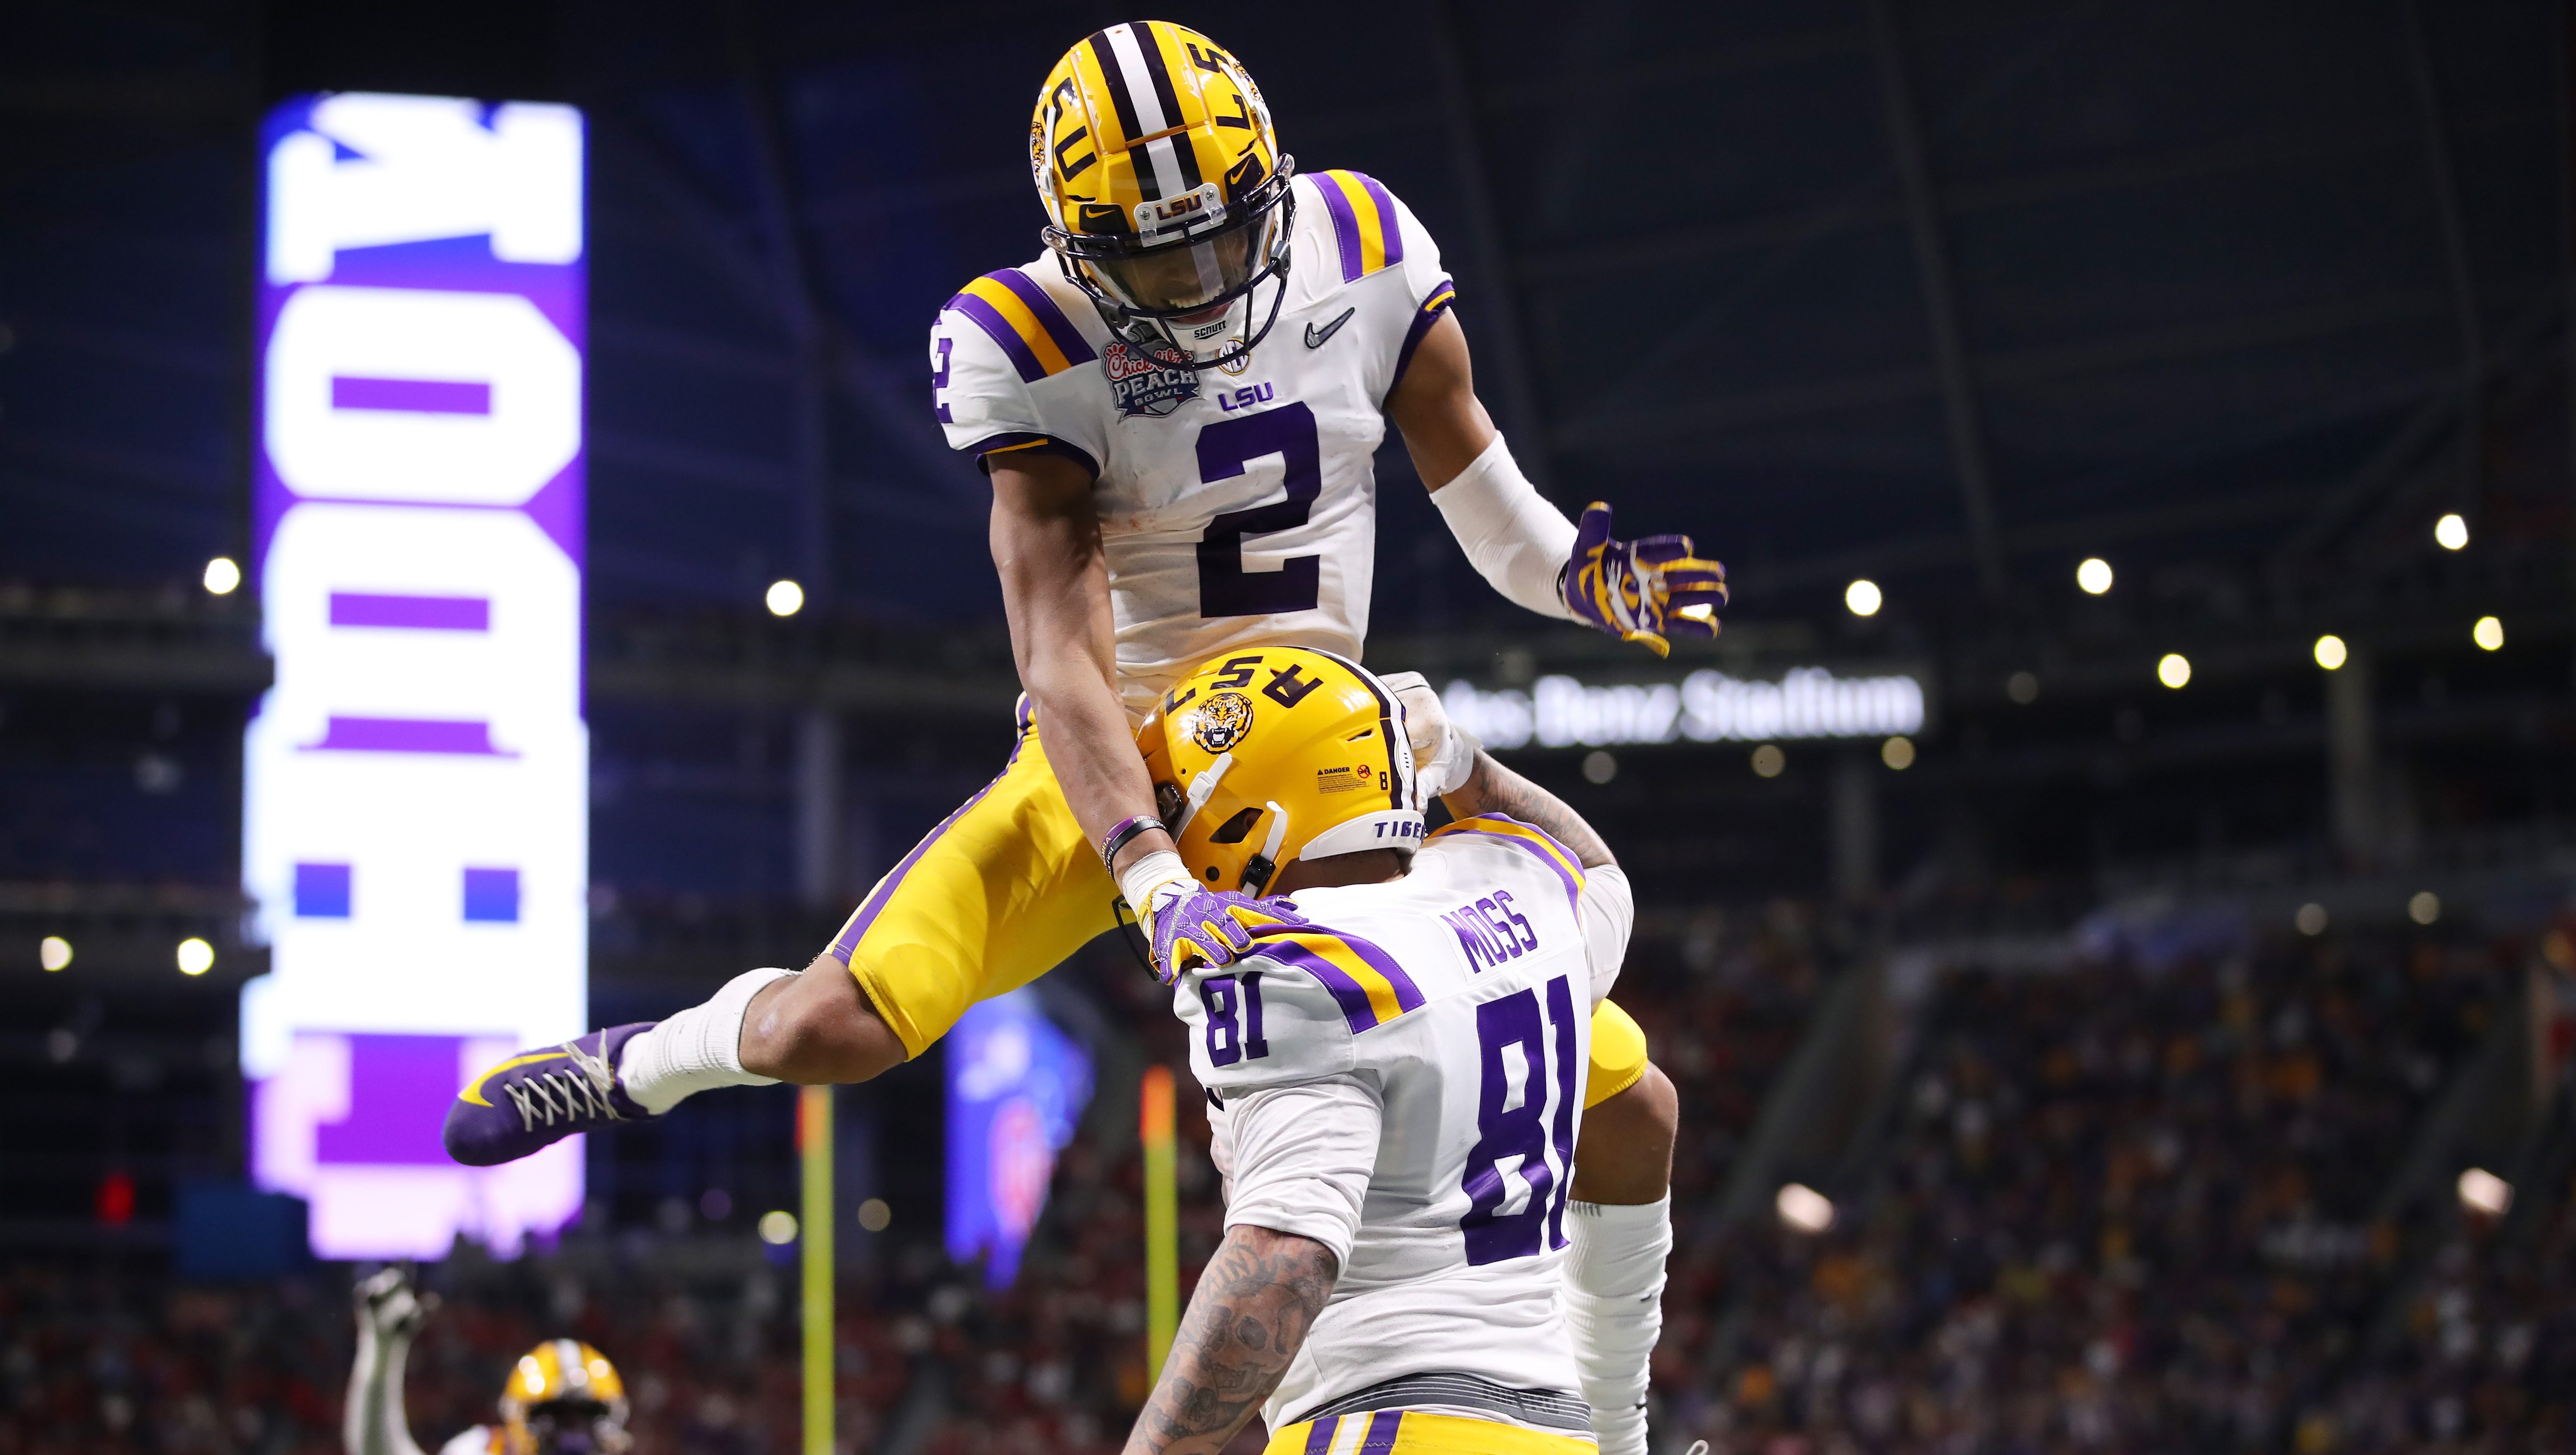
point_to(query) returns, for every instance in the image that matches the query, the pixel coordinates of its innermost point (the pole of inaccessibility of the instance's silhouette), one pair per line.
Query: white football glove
(1444, 754)
(390, 1308)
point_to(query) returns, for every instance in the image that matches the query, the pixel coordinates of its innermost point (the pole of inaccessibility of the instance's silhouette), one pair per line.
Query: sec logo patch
(1224, 720)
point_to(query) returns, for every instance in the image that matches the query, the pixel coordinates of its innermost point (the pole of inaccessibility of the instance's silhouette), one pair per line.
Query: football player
(1179, 404)
(563, 1397)
(1396, 1074)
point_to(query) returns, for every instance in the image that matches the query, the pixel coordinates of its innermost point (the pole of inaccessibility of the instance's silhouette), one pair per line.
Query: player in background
(1396, 1075)
(1178, 403)
(562, 1398)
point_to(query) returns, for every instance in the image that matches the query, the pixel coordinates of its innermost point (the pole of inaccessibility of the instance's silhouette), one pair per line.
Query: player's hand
(1198, 928)
(1443, 752)
(390, 1308)
(1642, 590)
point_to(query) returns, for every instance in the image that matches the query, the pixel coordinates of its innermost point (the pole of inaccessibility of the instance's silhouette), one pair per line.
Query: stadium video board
(1016, 1089)
(415, 805)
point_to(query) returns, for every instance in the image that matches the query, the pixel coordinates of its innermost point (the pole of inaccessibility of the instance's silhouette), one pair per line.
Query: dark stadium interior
(2137, 1033)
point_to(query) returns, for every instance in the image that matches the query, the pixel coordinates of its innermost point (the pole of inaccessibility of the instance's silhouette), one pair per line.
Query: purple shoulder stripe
(1390, 229)
(1068, 339)
(999, 329)
(1346, 992)
(1522, 840)
(1283, 946)
(1346, 225)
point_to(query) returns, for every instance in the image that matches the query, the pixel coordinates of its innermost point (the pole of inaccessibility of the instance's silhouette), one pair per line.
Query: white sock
(697, 1050)
(1614, 1305)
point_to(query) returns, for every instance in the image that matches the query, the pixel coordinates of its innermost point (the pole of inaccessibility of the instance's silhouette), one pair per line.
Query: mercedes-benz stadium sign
(1705, 707)
(416, 796)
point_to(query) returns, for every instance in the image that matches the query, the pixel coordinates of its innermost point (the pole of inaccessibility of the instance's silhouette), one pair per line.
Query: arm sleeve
(1302, 1158)
(373, 1421)
(1608, 911)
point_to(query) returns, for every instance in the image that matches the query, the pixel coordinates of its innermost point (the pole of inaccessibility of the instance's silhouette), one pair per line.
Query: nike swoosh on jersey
(1316, 338)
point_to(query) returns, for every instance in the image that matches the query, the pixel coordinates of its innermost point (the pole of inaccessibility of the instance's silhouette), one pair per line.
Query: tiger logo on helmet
(563, 1397)
(1166, 192)
(1265, 757)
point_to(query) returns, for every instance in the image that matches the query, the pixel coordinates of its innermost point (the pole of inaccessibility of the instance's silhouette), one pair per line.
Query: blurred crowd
(2122, 1209)
(2106, 1208)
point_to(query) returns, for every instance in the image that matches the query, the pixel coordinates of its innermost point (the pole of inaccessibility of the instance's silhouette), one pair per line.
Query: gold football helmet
(564, 1398)
(1166, 193)
(1267, 756)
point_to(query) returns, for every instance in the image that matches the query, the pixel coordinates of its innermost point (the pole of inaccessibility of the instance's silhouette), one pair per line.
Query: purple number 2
(1522, 1130)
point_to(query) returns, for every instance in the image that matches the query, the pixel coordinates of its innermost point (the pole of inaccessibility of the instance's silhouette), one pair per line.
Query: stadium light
(1803, 1208)
(222, 576)
(875, 1216)
(2424, 908)
(196, 957)
(1599, 767)
(778, 1227)
(2094, 576)
(1862, 597)
(2311, 920)
(2482, 1191)
(1897, 753)
(785, 598)
(2022, 687)
(2488, 633)
(1769, 761)
(54, 953)
(2331, 653)
(2173, 669)
(2451, 533)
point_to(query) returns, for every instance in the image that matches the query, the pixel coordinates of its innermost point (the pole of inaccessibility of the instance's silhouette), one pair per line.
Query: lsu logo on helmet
(1222, 721)
(1166, 193)
(1264, 757)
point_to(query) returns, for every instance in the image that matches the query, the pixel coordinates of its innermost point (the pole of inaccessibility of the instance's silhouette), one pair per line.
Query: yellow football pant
(1006, 888)
(1410, 1432)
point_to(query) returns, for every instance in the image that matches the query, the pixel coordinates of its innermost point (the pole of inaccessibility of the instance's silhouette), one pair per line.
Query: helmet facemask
(1191, 296)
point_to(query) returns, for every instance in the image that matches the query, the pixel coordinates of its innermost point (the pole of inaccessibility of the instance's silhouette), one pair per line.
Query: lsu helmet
(1263, 757)
(564, 1398)
(1166, 193)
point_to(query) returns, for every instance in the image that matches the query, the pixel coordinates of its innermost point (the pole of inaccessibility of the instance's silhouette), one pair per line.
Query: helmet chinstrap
(1152, 328)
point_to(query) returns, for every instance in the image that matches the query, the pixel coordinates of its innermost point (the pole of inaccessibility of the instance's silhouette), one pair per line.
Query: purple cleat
(538, 1098)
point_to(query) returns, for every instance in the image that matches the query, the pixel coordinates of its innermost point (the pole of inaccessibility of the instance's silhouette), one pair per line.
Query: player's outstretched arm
(390, 1313)
(1055, 589)
(1493, 788)
(1248, 1318)
(1644, 590)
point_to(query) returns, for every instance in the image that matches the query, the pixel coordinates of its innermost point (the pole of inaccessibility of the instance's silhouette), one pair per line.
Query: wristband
(1123, 834)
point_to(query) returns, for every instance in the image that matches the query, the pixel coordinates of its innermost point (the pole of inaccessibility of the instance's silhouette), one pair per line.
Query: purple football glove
(1641, 590)
(1194, 926)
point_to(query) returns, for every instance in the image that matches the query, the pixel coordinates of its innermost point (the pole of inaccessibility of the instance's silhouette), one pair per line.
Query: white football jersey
(1402, 1080)
(1236, 509)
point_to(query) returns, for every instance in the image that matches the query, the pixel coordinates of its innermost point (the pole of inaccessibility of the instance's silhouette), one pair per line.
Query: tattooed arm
(1493, 788)
(1248, 1318)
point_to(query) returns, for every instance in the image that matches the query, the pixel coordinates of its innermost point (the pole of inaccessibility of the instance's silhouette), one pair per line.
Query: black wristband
(1123, 835)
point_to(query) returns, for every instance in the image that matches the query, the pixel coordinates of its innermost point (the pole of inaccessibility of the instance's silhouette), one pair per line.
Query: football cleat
(538, 1098)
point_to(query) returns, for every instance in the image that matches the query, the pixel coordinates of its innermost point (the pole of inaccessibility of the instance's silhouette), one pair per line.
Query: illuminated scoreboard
(416, 782)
